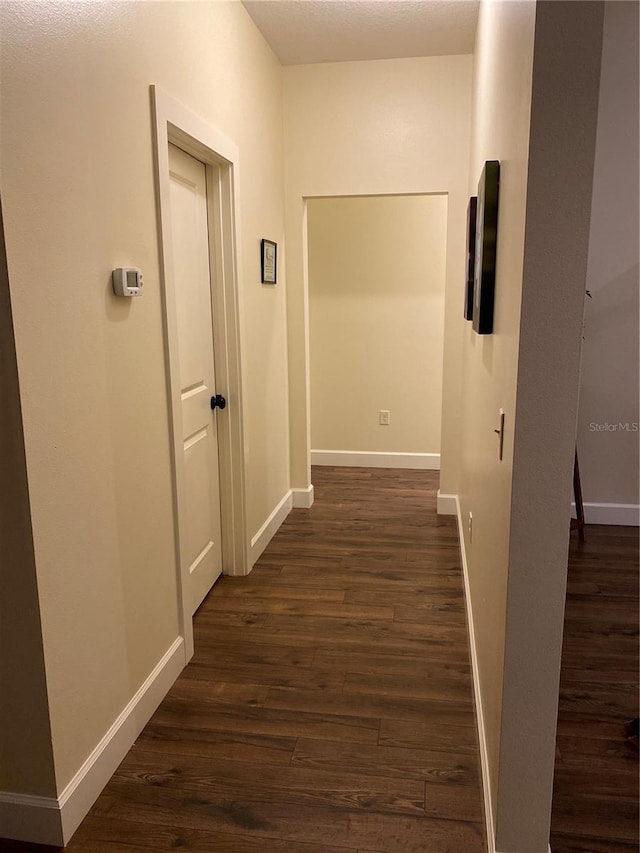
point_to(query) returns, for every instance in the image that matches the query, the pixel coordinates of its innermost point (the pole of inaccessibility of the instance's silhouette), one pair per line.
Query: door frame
(176, 124)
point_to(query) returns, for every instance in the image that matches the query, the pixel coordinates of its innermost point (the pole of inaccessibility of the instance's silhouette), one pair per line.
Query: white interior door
(199, 521)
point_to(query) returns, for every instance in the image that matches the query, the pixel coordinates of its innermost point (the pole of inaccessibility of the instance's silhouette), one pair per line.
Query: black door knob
(218, 401)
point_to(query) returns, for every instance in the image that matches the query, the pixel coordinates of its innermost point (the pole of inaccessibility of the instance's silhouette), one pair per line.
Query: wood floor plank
(429, 735)
(314, 607)
(611, 700)
(589, 674)
(266, 721)
(457, 802)
(295, 785)
(572, 724)
(328, 709)
(357, 637)
(577, 782)
(606, 659)
(372, 705)
(586, 750)
(379, 663)
(376, 578)
(441, 599)
(594, 609)
(214, 745)
(598, 817)
(611, 630)
(428, 614)
(595, 802)
(390, 634)
(231, 618)
(316, 550)
(433, 686)
(603, 584)
(422, 764)
(243, 587)
(574, 843)
(214, 647)
(350, 630)
(126, 836)
(337, 827)
(439, 564)
(306, 678)
(216, 695)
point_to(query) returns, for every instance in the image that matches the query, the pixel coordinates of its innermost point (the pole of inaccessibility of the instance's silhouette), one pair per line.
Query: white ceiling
(307, 31)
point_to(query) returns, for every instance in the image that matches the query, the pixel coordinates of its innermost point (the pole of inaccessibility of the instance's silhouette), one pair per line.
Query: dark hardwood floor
(328, 707)
(595, 801)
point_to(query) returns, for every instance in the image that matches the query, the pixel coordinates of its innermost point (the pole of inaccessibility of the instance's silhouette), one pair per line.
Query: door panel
(200, 526)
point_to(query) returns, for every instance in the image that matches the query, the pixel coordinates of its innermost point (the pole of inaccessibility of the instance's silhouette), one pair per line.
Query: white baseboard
(482, 740)
(367, 459)
(447, 504)
(627, 515)
(33, 819)
(52, 821)
(268, 530)
(302, 498)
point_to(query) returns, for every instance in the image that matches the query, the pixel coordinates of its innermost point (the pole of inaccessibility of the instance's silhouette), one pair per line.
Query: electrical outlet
(470, 526)
(384, 417)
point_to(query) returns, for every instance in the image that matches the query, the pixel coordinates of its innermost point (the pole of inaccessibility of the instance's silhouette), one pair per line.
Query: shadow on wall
(608, 417)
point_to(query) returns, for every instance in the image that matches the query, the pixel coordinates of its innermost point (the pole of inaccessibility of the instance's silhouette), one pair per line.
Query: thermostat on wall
(127, 281)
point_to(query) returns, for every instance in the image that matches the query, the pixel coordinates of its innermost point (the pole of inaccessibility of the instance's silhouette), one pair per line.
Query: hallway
(328, 707)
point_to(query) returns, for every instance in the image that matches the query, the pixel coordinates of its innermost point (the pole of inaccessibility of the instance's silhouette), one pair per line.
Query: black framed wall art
(484, 278)
(471, 256)
(268, 262)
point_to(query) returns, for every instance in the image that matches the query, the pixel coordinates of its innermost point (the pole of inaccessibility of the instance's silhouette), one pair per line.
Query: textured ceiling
(306, 31)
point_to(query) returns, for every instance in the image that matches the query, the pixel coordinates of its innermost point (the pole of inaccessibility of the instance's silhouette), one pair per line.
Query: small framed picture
(268, 261)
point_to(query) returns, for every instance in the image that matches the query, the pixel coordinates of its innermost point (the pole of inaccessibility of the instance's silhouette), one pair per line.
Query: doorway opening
(376, 273)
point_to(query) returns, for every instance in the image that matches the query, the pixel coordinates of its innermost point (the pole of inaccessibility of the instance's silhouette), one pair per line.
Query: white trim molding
(44, 820)
(375, 459)
(447, 504)
(303, 498)
(85, 787)
(627, 515)
(477, 692)
(32, 819)
(175, 123)
(269, 529)
(294, 498)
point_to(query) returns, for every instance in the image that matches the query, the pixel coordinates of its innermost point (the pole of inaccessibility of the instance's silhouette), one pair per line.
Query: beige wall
(502, 103)
(26, 758)
(535, 104)
(563, 133)
(78, 192)
(376, 317)
(375, 128)
(609, 388)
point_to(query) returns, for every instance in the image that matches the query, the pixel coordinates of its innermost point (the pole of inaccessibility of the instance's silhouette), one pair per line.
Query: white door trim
(175, 123)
